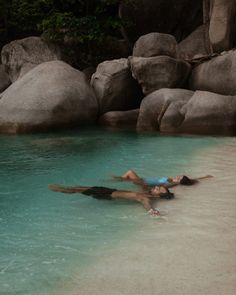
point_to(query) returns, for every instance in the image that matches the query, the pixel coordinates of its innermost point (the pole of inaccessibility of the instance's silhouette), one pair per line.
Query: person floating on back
(98, 192)
(131, 175)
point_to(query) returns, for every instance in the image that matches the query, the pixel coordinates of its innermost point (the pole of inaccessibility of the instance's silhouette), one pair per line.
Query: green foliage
(91, 21)
(24, 15)
(85, 23)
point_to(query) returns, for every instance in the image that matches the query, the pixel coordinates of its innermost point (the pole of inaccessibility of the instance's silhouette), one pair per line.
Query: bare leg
(67, 189)
(130, 174)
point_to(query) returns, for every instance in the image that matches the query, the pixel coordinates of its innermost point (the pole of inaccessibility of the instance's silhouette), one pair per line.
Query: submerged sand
(191, 249)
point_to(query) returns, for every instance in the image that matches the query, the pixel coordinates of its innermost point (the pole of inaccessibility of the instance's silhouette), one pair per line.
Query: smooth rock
(120, 118)
(154, 44)
(222, 25)
(52, 95)
(20, 56)
(203, 113)
(4, 79)
(195, 45)
(216, 75)
(154, 105)
(154, 73)
(114, 86)
(184, 111)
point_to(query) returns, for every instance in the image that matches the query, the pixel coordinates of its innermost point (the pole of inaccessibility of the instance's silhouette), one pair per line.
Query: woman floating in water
(98, 192)
(164, 181)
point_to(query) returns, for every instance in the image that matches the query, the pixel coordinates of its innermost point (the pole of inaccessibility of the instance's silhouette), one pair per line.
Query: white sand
(191, 250)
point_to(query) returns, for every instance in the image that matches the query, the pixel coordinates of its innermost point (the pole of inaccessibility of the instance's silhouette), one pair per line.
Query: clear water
(47, 237)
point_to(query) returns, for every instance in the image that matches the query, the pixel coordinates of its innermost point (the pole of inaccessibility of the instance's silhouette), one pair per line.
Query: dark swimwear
(99, 192)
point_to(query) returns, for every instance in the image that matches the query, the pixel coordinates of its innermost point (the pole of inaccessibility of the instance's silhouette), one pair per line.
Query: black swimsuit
(99, 192)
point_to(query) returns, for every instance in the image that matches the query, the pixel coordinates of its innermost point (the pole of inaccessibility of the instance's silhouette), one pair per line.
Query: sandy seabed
(191, 249)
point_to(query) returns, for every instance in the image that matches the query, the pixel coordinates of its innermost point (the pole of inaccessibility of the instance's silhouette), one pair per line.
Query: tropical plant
(84, 23)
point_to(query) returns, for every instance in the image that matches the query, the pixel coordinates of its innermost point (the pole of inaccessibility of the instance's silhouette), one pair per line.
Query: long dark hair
(187, 181)
(168, 195)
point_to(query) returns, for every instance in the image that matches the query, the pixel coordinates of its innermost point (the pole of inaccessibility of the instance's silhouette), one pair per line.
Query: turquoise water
(47, 237)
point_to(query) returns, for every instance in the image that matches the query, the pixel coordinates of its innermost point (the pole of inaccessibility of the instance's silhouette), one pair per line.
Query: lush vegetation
(84, 25)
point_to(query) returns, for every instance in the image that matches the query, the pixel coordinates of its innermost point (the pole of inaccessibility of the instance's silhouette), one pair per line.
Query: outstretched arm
(204, 177)
(143, 198)
(147, 204)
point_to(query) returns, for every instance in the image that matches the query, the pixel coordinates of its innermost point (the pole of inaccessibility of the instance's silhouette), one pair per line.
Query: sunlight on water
(46, 237)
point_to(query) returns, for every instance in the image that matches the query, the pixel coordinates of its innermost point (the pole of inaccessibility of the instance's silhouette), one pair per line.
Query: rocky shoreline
(170, 86)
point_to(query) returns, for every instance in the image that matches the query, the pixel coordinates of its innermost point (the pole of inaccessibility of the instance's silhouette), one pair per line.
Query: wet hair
(168, 195)
(186, 181)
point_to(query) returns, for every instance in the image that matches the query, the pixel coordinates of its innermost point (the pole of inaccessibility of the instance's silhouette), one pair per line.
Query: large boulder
(154, 105)
(203, 113)
(154, 73)
(195, 45)
(154, 44)
(114, 86)
(222, 24)
(178, 18)
(52, 95)
(216, 75)
(120, 118)
(20, 56)
(182, 111)
(4, 79)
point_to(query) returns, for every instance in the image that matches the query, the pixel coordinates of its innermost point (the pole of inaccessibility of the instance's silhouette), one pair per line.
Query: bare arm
(204, 177)
(143, 198)
(147, 204)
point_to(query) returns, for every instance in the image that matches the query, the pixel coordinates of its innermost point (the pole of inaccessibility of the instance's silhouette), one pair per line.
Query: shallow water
(48, 238)
(190, 249)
